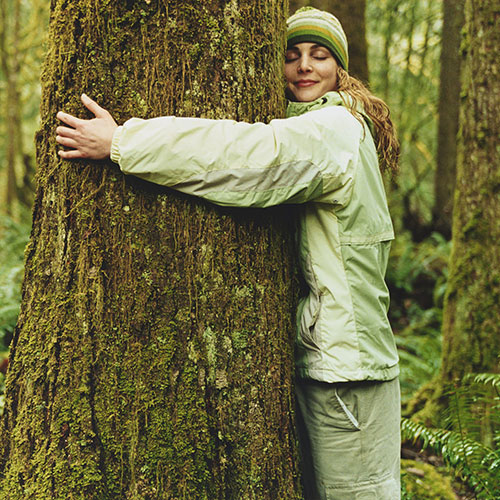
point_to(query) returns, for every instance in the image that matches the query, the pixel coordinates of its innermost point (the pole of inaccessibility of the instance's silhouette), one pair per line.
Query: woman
(324, 156)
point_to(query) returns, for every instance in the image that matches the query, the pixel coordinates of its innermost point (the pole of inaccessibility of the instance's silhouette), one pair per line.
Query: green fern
(13, 238)
(484, 378)
(470, 443)
(477, 463)
(415, 313)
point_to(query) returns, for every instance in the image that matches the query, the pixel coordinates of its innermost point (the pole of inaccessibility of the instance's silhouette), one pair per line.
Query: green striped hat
(312, 25)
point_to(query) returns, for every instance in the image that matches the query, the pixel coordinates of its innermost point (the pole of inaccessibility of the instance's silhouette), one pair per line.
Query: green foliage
(470, 443)
(422, 481)
(13, 238)
(416, 278)
(492, 379)
(405, 495)
(474, 410)
(24, 49)
(23, 26)
(404, 46)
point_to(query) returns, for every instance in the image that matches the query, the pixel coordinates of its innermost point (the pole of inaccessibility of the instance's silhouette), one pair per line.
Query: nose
(304, 64)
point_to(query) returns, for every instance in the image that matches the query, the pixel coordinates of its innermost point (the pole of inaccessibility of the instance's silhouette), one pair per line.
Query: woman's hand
(86, 138)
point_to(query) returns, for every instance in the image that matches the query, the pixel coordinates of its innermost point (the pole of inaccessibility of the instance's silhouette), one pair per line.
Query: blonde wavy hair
(377, 110)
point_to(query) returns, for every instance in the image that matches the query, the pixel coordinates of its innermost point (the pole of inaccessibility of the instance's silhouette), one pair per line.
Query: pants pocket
(328, 405)
(347, 412)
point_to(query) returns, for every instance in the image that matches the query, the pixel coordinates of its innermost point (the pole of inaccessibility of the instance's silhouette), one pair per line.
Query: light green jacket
(320, 156)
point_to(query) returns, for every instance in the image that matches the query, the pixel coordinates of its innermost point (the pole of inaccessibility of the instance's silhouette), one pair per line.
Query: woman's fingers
(72, 154)
(88, 138)
(70, 120)
(66, 141)
(66, 132)
(93, 107)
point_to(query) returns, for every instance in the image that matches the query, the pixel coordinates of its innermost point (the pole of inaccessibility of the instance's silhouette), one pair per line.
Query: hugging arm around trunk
(311, 157)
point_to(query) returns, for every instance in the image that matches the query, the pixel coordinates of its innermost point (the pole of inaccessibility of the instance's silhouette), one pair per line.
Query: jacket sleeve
(292, 160)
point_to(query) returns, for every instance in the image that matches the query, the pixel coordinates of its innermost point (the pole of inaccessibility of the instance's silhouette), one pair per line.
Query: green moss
(425, 482)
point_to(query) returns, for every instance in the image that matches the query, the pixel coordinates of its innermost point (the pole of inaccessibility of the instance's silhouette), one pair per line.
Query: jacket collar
(332, 98)
(299, 108)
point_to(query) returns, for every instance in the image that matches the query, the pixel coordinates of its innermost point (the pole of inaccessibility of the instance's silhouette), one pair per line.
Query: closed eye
(291, 58)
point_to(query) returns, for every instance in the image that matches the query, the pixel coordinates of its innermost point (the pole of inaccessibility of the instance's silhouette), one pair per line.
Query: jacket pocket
(309, 314)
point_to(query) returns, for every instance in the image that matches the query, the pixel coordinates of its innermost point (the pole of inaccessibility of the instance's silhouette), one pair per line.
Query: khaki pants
(350, 439)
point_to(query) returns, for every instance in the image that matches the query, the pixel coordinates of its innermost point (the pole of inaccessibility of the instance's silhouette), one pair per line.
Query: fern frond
(477, 463)
(484, 378)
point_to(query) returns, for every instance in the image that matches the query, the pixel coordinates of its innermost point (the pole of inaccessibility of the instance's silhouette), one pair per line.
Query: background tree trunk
(471, 316)
(449, 103)
(22, 26)
(153, 352)
(351, 14)
(10, 19)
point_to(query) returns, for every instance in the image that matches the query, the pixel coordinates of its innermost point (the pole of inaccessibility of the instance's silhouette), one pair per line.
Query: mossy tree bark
(471, 322)
(471, 314)
(449, 103)
(153, 353)
(352, 16)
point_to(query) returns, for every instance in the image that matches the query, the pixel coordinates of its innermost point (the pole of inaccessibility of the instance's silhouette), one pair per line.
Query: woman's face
(310, 71)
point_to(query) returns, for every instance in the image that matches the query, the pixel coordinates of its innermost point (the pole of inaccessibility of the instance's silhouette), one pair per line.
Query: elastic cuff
(115, 150)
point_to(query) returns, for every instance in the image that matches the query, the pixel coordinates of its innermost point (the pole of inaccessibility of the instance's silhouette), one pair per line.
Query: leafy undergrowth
(468, 444)
(416, 278)
(425, 481)
(425, 476)
(13, 238)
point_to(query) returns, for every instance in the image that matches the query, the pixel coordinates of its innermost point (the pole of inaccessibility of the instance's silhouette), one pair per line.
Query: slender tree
(10, 19)
(449, 103)
(471, 318)
(352, 16)
(22, 27)
(153, 353)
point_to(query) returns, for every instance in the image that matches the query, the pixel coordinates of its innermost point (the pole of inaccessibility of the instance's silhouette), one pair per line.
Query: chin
(307, 96)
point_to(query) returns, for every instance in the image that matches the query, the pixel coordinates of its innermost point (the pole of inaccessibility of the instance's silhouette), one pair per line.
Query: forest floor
(432, 470)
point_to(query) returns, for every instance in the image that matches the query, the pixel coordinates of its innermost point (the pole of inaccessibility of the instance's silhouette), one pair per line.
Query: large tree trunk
(471, 317)
(153, 353)
(449, 102)
(352, 16)
(471, 327)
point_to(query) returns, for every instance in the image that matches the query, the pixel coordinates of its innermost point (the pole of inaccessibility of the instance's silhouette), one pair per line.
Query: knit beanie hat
(312, 25)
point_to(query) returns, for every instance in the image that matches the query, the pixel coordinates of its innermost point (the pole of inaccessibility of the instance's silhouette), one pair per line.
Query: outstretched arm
(294, 160)
(87, 138)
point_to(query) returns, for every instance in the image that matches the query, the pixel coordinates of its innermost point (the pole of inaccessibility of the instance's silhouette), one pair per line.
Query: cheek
(330, 80)
(333, 83)
(334, 76)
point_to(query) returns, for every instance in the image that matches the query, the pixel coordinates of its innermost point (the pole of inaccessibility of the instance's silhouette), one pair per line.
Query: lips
(305, 83)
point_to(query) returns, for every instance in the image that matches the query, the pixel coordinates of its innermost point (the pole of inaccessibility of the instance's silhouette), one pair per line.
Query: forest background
(407, 46)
